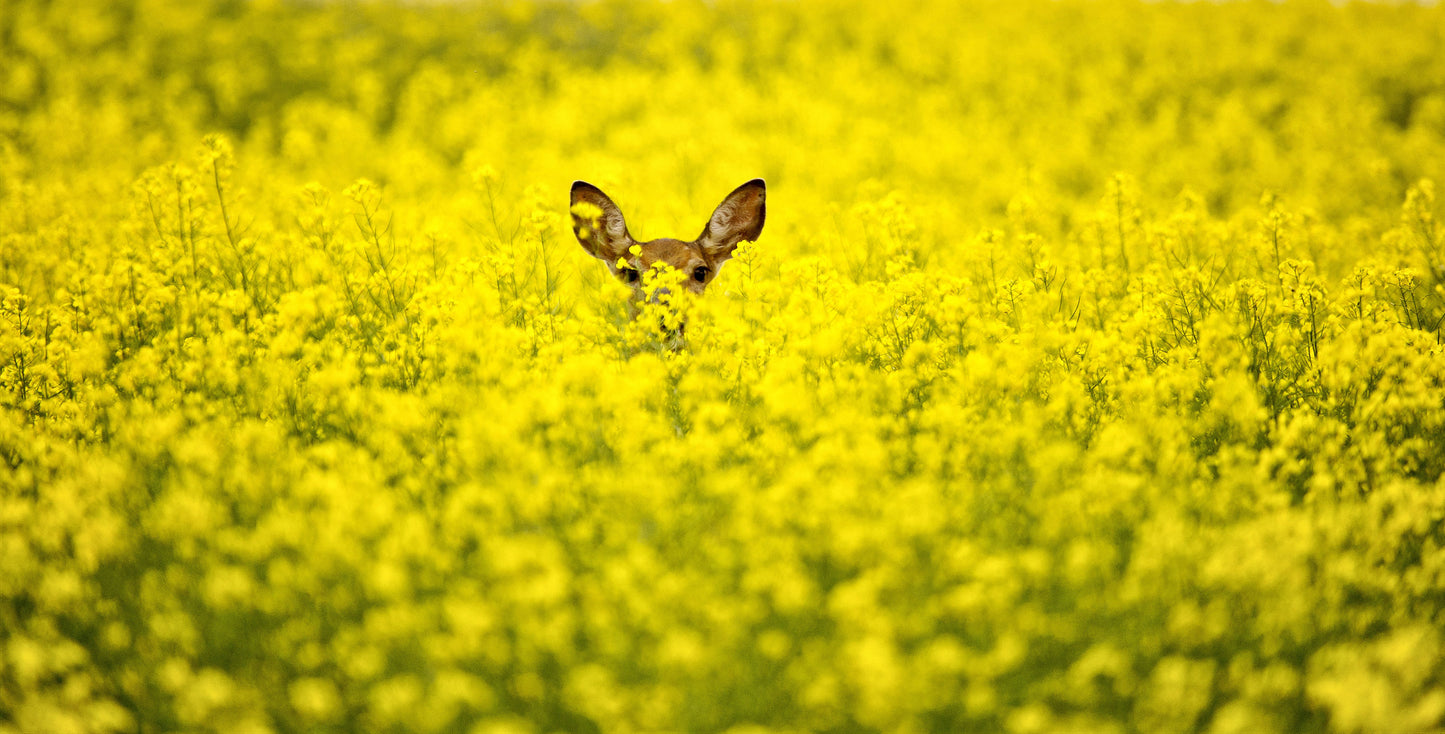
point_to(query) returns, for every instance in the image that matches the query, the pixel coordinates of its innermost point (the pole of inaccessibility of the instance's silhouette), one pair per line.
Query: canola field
(1087, 376)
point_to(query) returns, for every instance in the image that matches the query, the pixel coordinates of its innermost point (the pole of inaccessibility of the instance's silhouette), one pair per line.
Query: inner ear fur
(739, 218)
(606, 237)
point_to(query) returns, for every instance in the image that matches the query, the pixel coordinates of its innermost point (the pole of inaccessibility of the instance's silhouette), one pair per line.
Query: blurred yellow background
(1087, 375)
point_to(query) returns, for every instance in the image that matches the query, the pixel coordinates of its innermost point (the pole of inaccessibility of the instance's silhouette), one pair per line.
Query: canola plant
(1087, 377)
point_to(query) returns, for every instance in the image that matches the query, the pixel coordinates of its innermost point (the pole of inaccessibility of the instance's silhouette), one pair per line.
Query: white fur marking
(722, 218)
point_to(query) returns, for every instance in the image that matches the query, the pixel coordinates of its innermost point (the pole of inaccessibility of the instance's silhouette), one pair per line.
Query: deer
(602, 231)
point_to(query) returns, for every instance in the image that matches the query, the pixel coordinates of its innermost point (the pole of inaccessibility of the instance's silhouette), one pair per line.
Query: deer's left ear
(602, 231)
(737, 219)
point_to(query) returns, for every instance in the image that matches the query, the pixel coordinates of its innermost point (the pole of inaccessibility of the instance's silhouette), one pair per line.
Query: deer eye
(699, 274)
(629, 275)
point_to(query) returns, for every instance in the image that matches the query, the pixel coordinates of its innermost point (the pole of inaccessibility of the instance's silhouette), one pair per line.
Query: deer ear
(598, 223)
(738, 218)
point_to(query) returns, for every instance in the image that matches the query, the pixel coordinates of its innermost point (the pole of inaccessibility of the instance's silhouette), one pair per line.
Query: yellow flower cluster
(1088, 376)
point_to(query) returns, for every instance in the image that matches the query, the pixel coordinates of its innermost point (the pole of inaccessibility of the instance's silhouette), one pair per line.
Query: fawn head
(599, 226)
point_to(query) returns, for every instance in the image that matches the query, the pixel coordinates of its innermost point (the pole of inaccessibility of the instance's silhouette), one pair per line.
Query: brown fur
(738, 218)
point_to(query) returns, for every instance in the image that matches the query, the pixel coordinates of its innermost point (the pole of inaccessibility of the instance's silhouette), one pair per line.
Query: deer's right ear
(598, 223)
(738, 218)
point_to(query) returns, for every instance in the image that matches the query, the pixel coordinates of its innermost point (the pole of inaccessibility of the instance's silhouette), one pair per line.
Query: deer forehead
(680, 255)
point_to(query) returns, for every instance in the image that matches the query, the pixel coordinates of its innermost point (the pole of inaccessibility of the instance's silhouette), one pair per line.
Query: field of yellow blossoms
(1087, 377)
